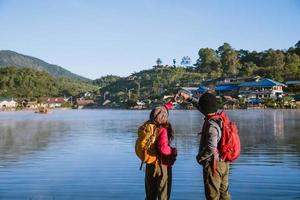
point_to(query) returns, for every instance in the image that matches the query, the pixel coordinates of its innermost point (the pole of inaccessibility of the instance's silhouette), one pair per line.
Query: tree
(229, 60)
(174, 62)
(208, 62)
(247, 69)
(186, 61)
(26, 82)
(297, 48)
(297, 45)
(275, 61)
(158, 62)
(224, 48)
(292, 67)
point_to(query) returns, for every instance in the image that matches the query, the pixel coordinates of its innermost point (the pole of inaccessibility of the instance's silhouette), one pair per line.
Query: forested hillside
(11, 58)
(26, 82)
(280, 65)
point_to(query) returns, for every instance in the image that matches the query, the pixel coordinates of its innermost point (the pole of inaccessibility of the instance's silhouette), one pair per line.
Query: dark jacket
(210, 136)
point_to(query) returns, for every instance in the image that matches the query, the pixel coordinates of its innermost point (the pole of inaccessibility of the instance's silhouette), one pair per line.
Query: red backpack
(229, 146)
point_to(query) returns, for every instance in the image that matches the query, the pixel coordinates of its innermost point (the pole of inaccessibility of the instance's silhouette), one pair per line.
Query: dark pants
(216, 187)
(158, 182)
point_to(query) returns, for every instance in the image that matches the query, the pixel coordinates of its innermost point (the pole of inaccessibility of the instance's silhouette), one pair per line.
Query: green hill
(11, 58)
(149, 84)
(26, 82)
(212, 64)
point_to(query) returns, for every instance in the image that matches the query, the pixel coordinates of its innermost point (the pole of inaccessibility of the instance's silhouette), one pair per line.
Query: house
(86, 94)
(140, 105)
(81, 103)
(196, 90)
(227, 90)
(25, 103)
(53, 102)
(235, 80)
(8, 103)
(230, 86)
(291, 83)
(255, 91)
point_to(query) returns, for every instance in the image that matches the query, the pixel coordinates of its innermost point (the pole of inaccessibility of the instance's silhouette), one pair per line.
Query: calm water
(89, 154)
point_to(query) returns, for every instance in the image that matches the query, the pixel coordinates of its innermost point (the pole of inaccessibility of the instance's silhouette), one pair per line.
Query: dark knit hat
(207, 103)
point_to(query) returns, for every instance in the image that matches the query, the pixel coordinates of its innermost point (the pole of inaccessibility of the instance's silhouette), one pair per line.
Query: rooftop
(293, 82)
(262, 83)
(226, 87)
(7, 99)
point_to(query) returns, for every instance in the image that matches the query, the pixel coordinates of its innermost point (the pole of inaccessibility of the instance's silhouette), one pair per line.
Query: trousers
(158, 182)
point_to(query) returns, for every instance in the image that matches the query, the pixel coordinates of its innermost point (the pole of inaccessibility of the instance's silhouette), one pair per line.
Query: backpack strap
(218, 125)
(216, 122)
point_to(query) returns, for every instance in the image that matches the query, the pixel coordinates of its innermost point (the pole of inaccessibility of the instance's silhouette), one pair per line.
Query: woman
(158, 177)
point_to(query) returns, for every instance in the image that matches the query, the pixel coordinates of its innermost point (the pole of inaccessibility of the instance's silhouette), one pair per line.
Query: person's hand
(184, 95)
(173, 155)
(174, 152)
(173, 99)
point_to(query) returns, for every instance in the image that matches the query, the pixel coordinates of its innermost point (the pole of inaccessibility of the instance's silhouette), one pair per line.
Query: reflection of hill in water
(21, 137)
(270, 130)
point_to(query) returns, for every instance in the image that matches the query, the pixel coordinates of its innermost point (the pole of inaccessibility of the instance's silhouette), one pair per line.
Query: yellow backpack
(145, 146)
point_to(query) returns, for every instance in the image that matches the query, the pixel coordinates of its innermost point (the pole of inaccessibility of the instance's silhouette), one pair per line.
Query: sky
(94, 38)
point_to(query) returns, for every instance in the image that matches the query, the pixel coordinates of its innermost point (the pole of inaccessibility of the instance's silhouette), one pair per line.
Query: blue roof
(202, 89)
(7, 99)
(261, 83)
(226, 87)
(293, 82)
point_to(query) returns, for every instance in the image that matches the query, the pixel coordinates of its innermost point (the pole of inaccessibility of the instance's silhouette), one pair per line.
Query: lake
(89, 154)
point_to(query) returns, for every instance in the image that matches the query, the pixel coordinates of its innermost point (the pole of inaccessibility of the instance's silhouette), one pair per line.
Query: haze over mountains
(11, 58)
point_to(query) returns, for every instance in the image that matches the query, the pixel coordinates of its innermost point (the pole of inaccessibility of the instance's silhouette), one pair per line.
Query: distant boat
(42, 110)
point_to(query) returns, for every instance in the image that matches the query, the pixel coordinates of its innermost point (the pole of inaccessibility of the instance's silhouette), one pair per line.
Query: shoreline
(126, 109)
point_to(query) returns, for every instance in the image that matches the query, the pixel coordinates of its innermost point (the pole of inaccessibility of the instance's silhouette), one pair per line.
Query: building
(196, 90)
(227, 90)
(255, 91)
(82, 103)
(8, 103)
(53, 102)
(140, 105)
(26, 103)
(230, 86)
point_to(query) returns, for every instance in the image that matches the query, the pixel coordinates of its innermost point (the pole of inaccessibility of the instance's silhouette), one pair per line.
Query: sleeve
(169, 105)
(194, 101)
(212, 142)
(163, 142)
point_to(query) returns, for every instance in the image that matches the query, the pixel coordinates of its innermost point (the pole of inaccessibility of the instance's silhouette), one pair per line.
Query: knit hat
(207, 103)
(159, 115)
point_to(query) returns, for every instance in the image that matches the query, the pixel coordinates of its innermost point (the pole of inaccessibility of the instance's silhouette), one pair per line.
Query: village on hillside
(232, 93)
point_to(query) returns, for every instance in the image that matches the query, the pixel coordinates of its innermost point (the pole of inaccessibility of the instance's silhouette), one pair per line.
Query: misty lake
(89, 154)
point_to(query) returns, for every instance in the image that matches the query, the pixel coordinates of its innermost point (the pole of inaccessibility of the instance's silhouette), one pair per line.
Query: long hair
(170, 132)
(160, 116)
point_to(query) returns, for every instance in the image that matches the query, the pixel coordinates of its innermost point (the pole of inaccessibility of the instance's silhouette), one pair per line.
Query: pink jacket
(168, 153)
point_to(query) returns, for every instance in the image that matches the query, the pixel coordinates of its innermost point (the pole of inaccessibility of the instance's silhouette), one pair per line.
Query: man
(215, 171)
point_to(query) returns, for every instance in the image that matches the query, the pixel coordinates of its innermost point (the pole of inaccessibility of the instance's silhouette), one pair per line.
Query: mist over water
(89, 154)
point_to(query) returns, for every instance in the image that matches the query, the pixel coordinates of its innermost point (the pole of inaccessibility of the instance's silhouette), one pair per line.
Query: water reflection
(89, 154)
(257, 127)
(18, 138)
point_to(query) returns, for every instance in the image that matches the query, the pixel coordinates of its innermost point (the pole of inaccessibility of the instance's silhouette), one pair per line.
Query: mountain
(30, 83)
(11, 58)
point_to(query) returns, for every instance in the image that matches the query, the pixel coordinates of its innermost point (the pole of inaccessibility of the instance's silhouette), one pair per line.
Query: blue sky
(95, 38)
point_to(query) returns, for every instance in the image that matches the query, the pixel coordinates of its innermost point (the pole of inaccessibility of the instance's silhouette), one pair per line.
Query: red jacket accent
(169, 105)
(167, 153)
